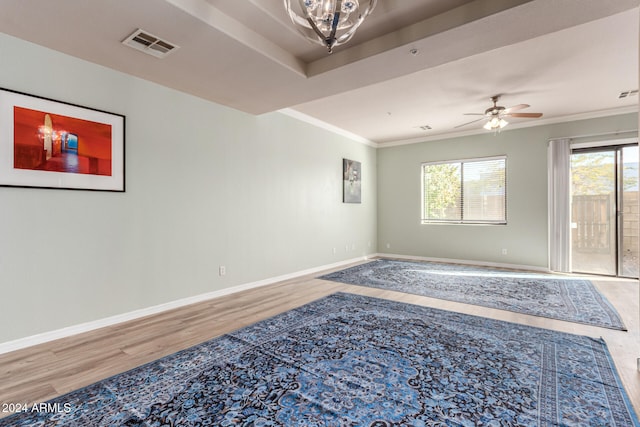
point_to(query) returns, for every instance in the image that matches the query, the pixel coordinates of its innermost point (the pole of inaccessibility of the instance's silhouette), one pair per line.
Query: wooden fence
(592, 218)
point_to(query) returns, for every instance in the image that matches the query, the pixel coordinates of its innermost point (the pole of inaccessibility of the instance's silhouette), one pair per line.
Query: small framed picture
(351, 181)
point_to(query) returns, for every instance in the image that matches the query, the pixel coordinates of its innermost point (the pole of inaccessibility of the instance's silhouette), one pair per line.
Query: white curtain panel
(560, 205)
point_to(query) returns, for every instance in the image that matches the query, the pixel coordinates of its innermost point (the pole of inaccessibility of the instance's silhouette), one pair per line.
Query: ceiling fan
(495, 115)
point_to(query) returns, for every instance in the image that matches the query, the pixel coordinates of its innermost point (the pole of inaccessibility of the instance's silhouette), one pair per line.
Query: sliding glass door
(604, 210)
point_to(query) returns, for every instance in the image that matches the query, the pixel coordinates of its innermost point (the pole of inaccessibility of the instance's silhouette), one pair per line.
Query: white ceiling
(567, 59)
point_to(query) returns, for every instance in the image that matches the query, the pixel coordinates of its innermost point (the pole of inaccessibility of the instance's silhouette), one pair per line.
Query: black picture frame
(45, 143)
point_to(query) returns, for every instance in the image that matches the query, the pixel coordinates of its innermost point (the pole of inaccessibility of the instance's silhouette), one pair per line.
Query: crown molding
(324, 125)
(533, 123)
(542, 122)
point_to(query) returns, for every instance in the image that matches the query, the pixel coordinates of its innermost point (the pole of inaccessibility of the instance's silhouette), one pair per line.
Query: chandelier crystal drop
(328, 22)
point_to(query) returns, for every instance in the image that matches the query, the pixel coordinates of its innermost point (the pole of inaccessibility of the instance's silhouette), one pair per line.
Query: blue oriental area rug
(349, 360)
(546, 295)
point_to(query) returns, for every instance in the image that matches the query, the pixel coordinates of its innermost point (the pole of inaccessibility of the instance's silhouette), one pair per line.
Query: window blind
(465, 191)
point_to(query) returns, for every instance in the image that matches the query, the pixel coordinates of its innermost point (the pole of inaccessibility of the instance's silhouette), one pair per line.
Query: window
(465, 191)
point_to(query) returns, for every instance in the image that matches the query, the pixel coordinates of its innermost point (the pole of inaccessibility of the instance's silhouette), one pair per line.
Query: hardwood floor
(41, 372)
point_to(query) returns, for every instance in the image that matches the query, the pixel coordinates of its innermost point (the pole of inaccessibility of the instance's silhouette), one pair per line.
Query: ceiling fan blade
(468, 123)
(474, 114)
(516, 107)
(528, 115)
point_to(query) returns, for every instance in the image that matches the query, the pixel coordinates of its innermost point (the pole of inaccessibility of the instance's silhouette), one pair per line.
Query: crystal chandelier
(328, 22)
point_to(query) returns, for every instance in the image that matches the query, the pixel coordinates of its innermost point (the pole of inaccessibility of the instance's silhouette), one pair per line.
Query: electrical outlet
(504, 251)
(222, 270)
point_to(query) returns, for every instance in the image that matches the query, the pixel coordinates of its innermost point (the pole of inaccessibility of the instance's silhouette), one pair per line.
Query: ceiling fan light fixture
(494, 116)
(328, 22)
(495, 123)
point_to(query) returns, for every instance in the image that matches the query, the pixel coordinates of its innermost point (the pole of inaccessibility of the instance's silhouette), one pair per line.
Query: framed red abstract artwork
(52, 144)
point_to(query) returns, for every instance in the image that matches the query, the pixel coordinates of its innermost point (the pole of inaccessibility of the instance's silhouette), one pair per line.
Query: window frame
(462, 221)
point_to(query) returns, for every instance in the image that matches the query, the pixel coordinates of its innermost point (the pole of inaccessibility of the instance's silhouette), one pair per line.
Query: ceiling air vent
(148, 43)
(628, 93)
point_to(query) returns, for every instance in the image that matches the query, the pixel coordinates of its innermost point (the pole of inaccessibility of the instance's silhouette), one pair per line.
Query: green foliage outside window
(470, 191)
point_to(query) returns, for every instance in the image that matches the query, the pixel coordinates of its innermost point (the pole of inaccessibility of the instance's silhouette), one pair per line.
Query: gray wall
(525, 236)
(210, 186)
(205, 186)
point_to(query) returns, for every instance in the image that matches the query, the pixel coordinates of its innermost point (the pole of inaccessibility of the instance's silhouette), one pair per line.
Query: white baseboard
(32, 340)
(465, 262)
